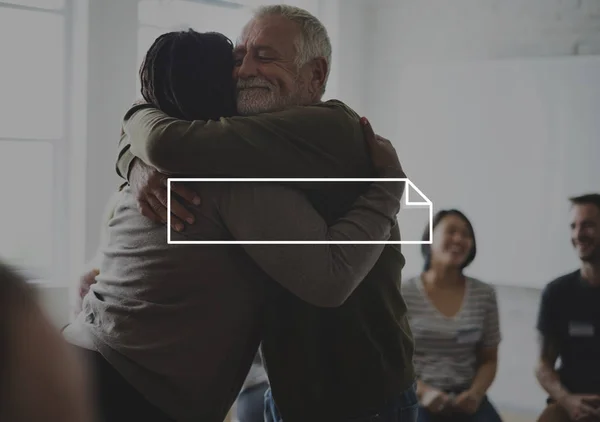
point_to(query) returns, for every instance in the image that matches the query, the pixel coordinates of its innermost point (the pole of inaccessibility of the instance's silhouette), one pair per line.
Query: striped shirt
(446, 347)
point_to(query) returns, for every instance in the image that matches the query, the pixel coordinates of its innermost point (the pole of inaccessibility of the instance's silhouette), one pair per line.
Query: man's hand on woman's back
(150, 189)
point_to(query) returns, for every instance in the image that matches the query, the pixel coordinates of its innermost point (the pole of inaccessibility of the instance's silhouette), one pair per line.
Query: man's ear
(319, 70)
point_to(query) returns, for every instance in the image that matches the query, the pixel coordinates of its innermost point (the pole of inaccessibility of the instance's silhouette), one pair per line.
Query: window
(159, 16)
(41, 4)
(33, 118)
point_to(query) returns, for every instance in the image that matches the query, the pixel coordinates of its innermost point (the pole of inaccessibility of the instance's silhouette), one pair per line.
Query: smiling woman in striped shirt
(454, 319)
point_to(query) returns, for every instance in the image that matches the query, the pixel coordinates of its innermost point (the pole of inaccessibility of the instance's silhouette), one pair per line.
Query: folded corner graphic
(422, 200)
(413, 198)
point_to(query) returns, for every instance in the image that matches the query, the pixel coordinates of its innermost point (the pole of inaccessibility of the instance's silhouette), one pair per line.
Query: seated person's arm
(577, 406)
(487, 359)
(325, 274)
(323, 140)
(546, 325)
(545, 372)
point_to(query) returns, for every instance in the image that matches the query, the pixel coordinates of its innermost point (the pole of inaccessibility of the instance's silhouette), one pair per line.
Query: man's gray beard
(256, 101)
(264, 100)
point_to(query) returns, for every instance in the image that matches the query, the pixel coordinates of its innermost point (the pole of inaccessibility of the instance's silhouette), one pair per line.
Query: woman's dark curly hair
(189, 75)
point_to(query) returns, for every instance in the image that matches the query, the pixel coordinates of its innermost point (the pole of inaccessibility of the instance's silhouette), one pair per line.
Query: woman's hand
(468, 401)
(580, 407)
(434, 400)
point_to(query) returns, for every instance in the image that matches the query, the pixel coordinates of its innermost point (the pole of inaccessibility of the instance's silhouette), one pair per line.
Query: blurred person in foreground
(569, 325)
(41, 379)
(455, 324)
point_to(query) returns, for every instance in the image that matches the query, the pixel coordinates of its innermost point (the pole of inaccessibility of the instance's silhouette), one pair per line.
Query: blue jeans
(271, 411)
(250, 403)
(486, 413)
(402, 409)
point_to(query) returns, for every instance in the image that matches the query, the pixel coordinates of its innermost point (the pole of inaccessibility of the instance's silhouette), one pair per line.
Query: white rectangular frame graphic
(424, 202)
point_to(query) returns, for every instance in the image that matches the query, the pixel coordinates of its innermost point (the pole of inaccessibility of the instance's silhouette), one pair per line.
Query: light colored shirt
(446, 347)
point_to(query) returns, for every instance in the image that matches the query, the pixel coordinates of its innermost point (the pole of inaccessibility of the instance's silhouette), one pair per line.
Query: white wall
(105, 48)
(507, 142)
(347, 22)
(490, 100)
(112, 52)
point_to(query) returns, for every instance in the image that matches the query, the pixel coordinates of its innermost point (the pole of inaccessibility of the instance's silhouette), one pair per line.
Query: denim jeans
(250, 403)
(403, 409)
(271, 411)
(485, 413)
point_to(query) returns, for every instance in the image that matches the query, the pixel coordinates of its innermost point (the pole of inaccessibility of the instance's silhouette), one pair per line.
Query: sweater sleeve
(323, 140)
(322, 274)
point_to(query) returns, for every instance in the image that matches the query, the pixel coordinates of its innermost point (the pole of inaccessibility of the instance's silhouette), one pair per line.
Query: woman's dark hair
(189, 75)
(426, 248)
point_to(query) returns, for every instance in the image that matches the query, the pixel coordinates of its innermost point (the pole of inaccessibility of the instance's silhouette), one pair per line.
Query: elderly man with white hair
(337, 345)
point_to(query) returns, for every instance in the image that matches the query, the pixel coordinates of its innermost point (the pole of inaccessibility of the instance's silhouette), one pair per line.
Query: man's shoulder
(562, 284)
(339, 105)
(337, 109)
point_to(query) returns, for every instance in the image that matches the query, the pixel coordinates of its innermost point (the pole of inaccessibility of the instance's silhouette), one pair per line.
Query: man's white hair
(313, 41)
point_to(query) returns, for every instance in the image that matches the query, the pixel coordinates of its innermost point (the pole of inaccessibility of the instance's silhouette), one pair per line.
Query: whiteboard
(507, 142)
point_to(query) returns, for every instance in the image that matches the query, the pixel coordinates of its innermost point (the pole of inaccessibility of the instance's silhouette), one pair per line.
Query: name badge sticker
(581, 329)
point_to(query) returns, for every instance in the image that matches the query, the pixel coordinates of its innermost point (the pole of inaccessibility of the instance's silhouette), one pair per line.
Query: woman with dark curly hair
(188, 75)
